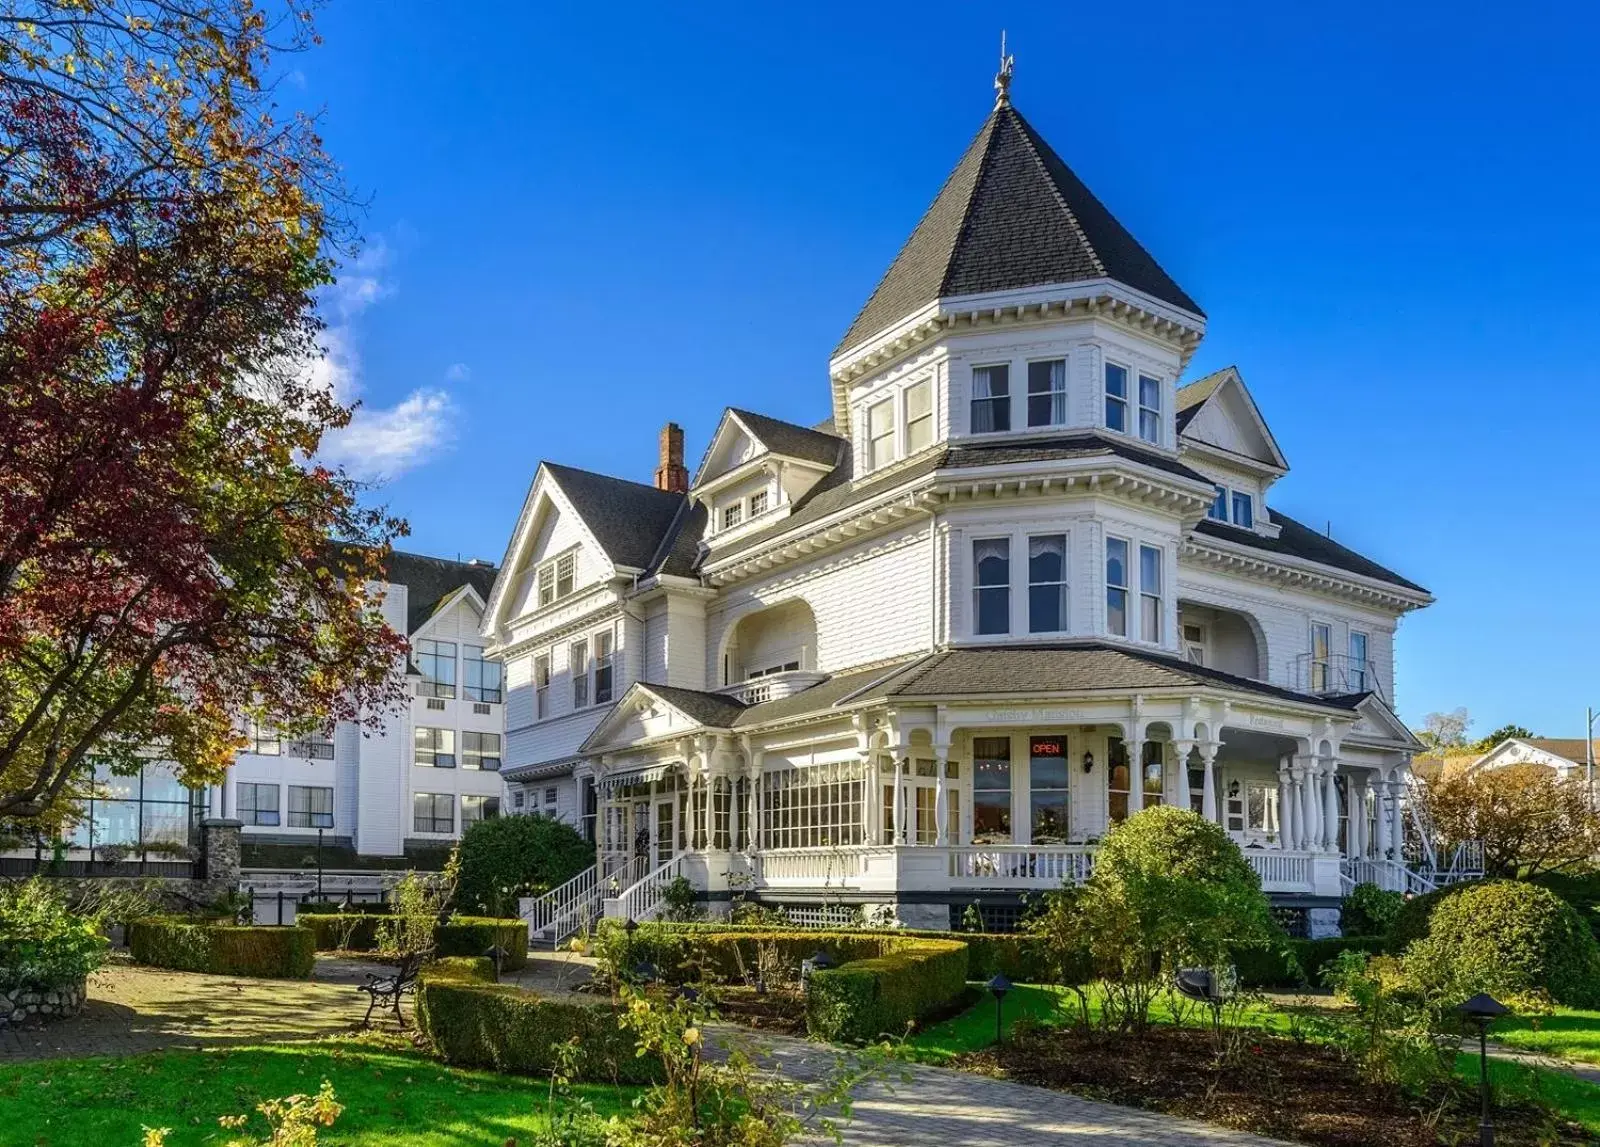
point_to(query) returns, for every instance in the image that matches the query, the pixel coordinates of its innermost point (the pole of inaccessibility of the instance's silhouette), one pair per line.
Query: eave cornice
(1291, 573)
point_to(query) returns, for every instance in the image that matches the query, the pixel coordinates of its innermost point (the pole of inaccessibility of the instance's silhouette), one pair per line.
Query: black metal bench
(388, 990)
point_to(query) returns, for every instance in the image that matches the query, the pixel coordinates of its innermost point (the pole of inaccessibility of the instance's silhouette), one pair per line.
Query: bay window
(991, 399)
(1047, 798)
(1116, 397)
(1047, 393)
(1150, 409)
(991, 567)
(919, 417)
(1117, 587)
(991, 790)
(1149, 594)
(880, 434)
(578, 664)
(603, 675)
(1243, 509)
(1047, 584)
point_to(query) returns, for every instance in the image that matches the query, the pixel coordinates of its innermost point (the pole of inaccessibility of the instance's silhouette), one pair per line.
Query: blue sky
(586, 220)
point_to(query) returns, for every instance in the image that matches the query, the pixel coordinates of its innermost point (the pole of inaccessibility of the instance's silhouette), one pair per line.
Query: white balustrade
(815, 867)
(1021, 866)
(1281, 871)
(643, 899)
(565, 909)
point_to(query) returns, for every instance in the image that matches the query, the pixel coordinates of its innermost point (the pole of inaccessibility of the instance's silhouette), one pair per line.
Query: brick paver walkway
(135, 1009)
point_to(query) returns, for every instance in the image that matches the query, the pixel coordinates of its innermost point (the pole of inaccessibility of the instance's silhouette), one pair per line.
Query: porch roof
(1078, 668)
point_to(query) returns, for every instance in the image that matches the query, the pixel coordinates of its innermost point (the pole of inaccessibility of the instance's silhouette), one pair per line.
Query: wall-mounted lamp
(1088, 760)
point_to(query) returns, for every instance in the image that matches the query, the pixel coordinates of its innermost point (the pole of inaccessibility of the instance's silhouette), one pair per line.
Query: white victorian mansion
(1023, 583)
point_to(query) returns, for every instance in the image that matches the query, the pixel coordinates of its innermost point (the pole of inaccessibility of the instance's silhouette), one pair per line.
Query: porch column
(1135, 745)
(941, 796)
(1208, 797)
(1397, 825)
(1330, 804)
(230, 789)
(1305, 769)
(1358, 818)
(1182, 749)
(1285, 804)
(1381, 818)
(900, 795)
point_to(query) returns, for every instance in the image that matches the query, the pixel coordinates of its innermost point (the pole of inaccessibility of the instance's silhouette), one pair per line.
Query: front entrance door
(641, 831)
(919, 798)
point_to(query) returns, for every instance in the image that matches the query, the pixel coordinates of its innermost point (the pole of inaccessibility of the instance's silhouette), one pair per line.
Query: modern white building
(432, 769)
(1023, 582)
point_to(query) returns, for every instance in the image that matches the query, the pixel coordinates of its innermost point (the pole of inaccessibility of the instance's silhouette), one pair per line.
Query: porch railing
(1032, 866)
(812, 867)
(1280, 871)
(643, 899)
(1390, 875)
(565, 909)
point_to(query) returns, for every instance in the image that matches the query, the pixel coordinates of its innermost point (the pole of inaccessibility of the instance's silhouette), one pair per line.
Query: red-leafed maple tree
(170, 561)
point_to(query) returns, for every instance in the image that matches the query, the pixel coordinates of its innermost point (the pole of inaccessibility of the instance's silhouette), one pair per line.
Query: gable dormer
(755, 469)
(1222, 434)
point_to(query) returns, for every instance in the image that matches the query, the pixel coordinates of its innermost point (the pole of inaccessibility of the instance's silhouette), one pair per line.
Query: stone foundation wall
(19, 1005)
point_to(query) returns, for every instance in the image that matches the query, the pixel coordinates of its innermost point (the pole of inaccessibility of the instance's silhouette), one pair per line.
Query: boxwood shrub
(460, 936)
(474, 1023)
(341, 931)
(343, 908)
(880, 996)
(196, 945)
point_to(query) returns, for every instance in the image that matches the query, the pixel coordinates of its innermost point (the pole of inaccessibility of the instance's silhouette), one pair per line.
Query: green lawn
(391, 1098)
(1572, 1097)
(1567, 1033)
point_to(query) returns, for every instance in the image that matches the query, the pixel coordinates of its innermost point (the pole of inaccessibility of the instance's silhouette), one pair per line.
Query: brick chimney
(671, 475)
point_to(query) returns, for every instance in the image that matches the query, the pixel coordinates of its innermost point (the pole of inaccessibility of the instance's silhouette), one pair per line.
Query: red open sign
(1047, 747)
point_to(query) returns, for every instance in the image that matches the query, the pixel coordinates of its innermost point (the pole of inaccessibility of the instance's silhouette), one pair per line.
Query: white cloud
(457, 372)
(380, 443)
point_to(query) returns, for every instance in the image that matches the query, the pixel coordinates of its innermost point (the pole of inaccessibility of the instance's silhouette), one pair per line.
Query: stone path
(939, 1105)
(134, 1009)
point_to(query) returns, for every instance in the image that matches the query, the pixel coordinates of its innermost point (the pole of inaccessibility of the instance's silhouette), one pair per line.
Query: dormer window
(991, 399)
(919, 417)
(556, 578)
(758, 504)
(1236, 506)
(1047, 393)
(732, 515)
(1150, 409)
(1116, 397)
(1218, 510)
(880, 434)
(1243, 510)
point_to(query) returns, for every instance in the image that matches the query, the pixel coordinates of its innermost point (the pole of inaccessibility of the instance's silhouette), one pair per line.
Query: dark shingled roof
(429, 581)
(629, 519)
(1077, 668)
(1010, 215)
(1298, 541)
(1086, 444)
(823, 695)
(717, 710)
(795, 441)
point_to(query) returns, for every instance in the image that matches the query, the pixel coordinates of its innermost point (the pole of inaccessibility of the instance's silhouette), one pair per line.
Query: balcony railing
(774, 686)
(1335, 673)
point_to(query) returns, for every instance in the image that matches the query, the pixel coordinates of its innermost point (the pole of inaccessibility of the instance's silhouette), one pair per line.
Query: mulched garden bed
(1278, 1087)
(780, 1010)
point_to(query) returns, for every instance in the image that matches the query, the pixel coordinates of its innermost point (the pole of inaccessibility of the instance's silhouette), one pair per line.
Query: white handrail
(644, 898)
(560, 901)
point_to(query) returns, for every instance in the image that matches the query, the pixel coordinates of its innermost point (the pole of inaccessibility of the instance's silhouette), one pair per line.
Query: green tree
(1170, 890)
(1503, 733)
(513, 856)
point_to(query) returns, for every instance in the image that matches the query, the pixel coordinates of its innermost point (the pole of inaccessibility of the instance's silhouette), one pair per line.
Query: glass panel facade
(991, 790)
(148, 807)
(1047, 780)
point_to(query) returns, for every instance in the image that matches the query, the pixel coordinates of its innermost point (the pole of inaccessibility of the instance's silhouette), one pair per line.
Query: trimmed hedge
(1411, 922)
(460, 936)
(881, 996)
(341, 908)
(1299, 963)
(474, 1023)
(190, 945)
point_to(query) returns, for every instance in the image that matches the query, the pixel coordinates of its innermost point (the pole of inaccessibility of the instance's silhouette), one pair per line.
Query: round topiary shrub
(1369, 911)
(1410, 923)
(1509, 939)
(512, 856)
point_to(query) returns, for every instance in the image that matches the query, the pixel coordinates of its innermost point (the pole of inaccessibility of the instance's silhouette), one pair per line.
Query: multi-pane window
(1047, 583)
(257, 803)
(485, 681)
(475, 808)
(1153, 768)
(919, 417)
(1150, 409)
(310, 806)
(556, 578)
(1047, 393)
(1119, 780)
(541, 686)
(721, 813)
(435, 748)
(1117, 587)
(436, 661)
(1321, 650)
(991, 398)
(518, 799)
(1149, 593)
(313, 747)
(480, 751)
(603, 658)
(578, 664)
(991, 566)
(1243, 509)
(991, 790)
(1218, 510)
(262, 740)
(433, 812)
(758, 503)
(148, 807)
(815, 807)
(550, 798)
(880, 434)
(1358, 662)
(1116, 397)
(732, 515)
(1047, 782)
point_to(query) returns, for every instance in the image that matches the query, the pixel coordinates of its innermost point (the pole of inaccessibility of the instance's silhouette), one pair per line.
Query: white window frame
(606, 662)
(441, 744)
(550, 575)
(1064, 585)
(473, 755)
(541, 688)
(1154, 412)
(1125, 587)
(978, 589)
(732, 514)
(1200, 644)
(578, 671)
(929, 417)
(765, 499)
(1108, 398)
(1158, 596)
(887, 437)
(1222, 502)
(1058, 397)
(1326, 661)
(1358, 672)
(1004, 401)
(1249, 500)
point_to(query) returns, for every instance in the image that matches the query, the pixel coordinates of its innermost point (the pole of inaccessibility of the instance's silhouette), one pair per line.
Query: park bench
(388, 990)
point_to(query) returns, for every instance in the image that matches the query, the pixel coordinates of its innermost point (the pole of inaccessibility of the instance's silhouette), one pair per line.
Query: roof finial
(1002, 78)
